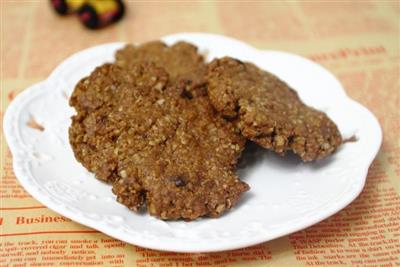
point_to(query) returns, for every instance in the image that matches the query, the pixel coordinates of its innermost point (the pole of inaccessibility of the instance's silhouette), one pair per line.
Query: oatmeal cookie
(95, 97)
(182, 62)
(268, 112)
(168, 153)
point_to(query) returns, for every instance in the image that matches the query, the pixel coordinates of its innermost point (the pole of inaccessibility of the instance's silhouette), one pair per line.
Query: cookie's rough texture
(96, 98)
(168, 152)
(182, 61)
(268, 112)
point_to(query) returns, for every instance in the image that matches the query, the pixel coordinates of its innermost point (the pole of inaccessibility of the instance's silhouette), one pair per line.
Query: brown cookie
(268, 112)
(182, 62)
(95, 97)
(170, 153)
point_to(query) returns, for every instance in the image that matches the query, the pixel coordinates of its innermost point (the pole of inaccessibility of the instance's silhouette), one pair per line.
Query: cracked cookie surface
(268, 112)
(169, 153)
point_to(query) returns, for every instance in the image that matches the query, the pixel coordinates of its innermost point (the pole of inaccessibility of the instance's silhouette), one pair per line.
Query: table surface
(358, 41)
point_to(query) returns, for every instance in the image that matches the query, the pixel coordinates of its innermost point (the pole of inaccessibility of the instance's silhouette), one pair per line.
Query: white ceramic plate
(286, 195)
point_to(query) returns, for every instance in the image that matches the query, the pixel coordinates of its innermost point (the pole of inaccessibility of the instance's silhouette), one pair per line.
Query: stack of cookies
(166, 129)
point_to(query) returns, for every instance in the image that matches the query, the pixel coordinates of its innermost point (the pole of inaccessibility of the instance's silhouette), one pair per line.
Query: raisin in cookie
(268, 112)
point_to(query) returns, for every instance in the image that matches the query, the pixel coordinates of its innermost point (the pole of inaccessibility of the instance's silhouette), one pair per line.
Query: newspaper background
(358, 41)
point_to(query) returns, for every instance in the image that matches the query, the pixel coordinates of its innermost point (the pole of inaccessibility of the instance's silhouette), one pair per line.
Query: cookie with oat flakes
(267, 111)
(95, 98)
(181, 60)
(168, 153)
